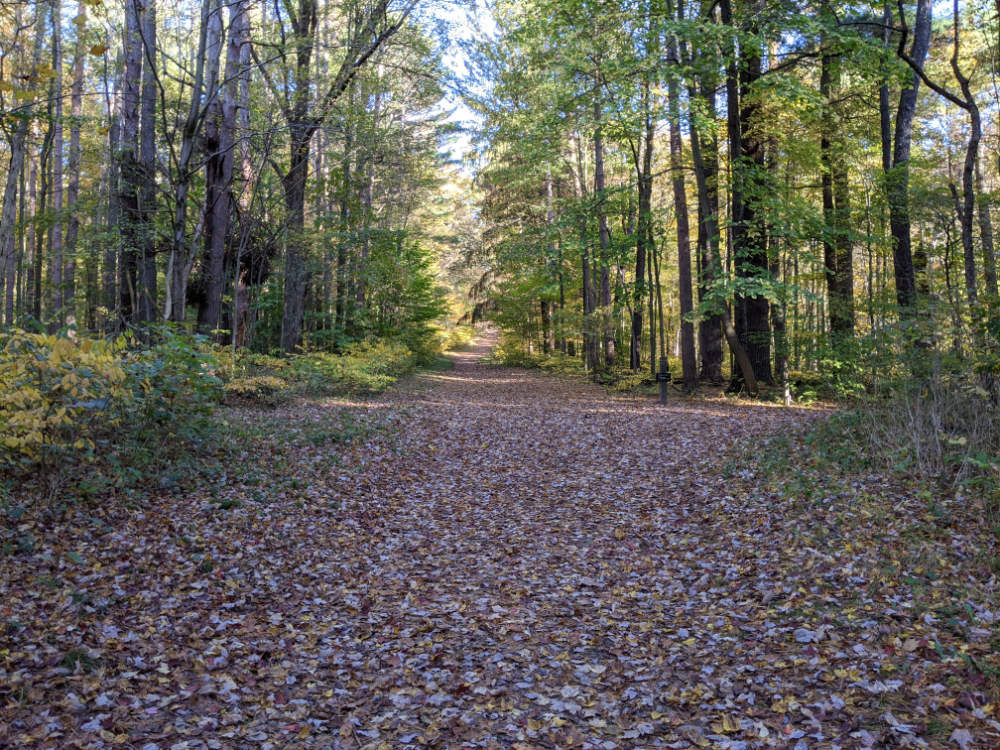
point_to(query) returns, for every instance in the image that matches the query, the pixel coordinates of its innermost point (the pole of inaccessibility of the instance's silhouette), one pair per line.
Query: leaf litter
(500, 559)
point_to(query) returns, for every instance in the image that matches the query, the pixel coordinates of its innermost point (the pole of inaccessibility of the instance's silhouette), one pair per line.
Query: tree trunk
(8, 216)
(56, 259)
(113, 218)
(294, 184)
(688, 362)
(130, 180)
(898, 178)
(590, 340)
(706, 162)
(303, 118)
(218, 144)
(968, 206)
(837, 248)
(238, 94)
(341, 307)
(644, 170)
(550, 343)
(147, 168)
(704, 152)
(15, 174)
(604, 234)
(752, 322)
(986, 238)
(73, 189)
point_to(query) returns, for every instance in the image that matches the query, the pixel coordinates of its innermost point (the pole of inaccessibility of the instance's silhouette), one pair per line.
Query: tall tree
(898, 176)
(688, 363)
(73, 188)
(838, 257)
(56, 259)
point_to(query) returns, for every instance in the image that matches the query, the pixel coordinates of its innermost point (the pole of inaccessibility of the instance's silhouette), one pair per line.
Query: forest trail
(505, 560)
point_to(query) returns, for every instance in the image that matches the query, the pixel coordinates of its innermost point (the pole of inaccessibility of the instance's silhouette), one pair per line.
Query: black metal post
(663, 378)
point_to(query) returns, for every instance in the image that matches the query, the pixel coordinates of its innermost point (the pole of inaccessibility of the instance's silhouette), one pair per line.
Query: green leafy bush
(57, 395)
(456, 338)
(365, 368)
(510, 353)
(126, 408)
(256, 389)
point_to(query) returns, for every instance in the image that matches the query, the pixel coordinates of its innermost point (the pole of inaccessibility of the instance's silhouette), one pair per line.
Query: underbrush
(620, 379)
(81, 417)
(938, 434)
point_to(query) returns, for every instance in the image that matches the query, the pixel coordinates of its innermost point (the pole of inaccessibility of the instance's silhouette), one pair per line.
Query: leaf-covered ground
(505, 560)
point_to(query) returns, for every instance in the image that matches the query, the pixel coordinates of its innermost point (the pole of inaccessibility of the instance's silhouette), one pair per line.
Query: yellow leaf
(98, 50)
(728, 725)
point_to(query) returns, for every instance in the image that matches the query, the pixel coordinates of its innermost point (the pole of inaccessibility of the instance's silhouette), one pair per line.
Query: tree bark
(837, 247)
(73, 188)
(706, 167)
(688, 362)
(130, 180)
(238, 99)
(218, 147)
(8, 216)
(147, 168)
(644, 176)
(898, 178)
(113, 217)
(15, 175)
(604, 236)
(986, 238)
(752, 319)
(590, 339)
(303, 118)
(56, 259)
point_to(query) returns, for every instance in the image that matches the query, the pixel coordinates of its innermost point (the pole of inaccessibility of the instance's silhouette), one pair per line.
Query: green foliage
(456, 338)
(403, 297)
(57, 396)
(124, 409)
(363, 369)
(256, 389)
(511, 353)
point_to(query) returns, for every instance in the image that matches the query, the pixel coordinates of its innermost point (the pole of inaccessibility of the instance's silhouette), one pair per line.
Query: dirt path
(521, 561)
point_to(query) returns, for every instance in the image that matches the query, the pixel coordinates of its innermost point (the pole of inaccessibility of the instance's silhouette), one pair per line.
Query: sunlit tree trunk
(688, 362)
(604, 235)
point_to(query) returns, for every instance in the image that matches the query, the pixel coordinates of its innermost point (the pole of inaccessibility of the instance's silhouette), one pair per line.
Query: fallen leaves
(498, 560)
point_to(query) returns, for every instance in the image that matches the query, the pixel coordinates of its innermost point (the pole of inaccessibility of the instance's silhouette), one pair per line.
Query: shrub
(260, 389)
(125, 408)
(457, 338)
(561, 364)
(56, 395)
(365, 368)
(510, 354)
